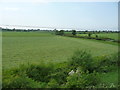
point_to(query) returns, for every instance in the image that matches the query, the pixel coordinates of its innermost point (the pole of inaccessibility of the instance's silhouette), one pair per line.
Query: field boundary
(86, 37)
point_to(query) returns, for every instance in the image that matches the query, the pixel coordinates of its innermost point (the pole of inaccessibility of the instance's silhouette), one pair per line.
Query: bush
(20, 82)
(39, 72)
(60, 73)
(61, 32)
(105, 63)
(74, 32)
(82, 80)
(27, 76)
(83, 59)
(53, 84)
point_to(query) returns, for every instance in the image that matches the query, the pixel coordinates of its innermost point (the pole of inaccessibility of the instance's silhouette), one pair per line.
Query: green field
(45, 47)
(104, 35)
(36, 47)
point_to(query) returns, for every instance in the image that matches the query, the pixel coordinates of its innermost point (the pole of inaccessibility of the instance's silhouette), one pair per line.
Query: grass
(33, 47)
(109, 78)
(26, 34)
(105, 35)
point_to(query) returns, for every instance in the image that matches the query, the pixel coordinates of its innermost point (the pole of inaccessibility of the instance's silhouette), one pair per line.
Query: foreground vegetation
(81, 71)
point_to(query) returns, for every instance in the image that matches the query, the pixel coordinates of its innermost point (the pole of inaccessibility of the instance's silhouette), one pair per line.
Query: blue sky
(78, 15)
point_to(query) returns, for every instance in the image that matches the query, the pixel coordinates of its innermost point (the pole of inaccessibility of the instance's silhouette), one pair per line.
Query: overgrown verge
(81, 71)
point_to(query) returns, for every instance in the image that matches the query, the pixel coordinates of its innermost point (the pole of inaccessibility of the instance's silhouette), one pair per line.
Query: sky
(74, 15)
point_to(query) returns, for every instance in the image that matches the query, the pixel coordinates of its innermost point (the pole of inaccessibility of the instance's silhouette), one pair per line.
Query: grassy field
(104, 35)
(45, 47)
(24, 47)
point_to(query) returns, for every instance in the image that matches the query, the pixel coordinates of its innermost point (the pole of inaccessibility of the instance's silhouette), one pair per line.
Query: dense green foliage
(58, 75)
(74, 32)
(61, 32)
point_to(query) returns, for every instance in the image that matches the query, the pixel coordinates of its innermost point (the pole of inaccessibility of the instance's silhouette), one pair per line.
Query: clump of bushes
(105, 63)
(81, 71)
(83, 59)
(39, 72)
(18, 81)
(82, 80)
(61, 32)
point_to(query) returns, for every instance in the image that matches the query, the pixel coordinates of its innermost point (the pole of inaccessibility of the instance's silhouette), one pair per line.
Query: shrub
(27, 76)
(74, 32)
(82, 80)
(105, 63)
(40, 72)
(89, 34)
(83, 59)
(20, 82)
(53, 84)
(60, 73)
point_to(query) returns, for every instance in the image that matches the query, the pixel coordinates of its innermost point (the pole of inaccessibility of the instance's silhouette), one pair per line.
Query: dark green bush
(61, 72)
(74, 32)
(52, 84)
(105, 63)
(83, 59)
(82, 80)
(40, 72)
(19, 82)
(27, 76)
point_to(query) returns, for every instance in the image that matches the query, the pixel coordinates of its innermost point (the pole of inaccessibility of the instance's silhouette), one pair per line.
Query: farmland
(46, 47)
(24, 47)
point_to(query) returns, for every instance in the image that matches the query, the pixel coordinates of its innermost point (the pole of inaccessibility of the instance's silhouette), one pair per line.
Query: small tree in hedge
(56, 32)
(61, 32)
(13, 29)
(74, 32)
(96, 36)
(89, 34)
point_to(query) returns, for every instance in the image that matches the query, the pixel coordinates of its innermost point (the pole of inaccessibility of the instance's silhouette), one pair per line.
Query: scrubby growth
(81, 71)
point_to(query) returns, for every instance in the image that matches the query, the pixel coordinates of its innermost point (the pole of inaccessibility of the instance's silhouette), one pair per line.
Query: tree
(61, 32)
(89, 34)
(56, 32)
(74, 32)
(96, 36)
(13, 29)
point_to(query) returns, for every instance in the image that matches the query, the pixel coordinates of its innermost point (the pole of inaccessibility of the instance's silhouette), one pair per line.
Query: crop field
(104, 35)
(45, 47)
(24, 47)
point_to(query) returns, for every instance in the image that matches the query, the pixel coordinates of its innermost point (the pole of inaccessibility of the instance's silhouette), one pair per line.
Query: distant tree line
(62, 32)
(73, 33)
(24, 30)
